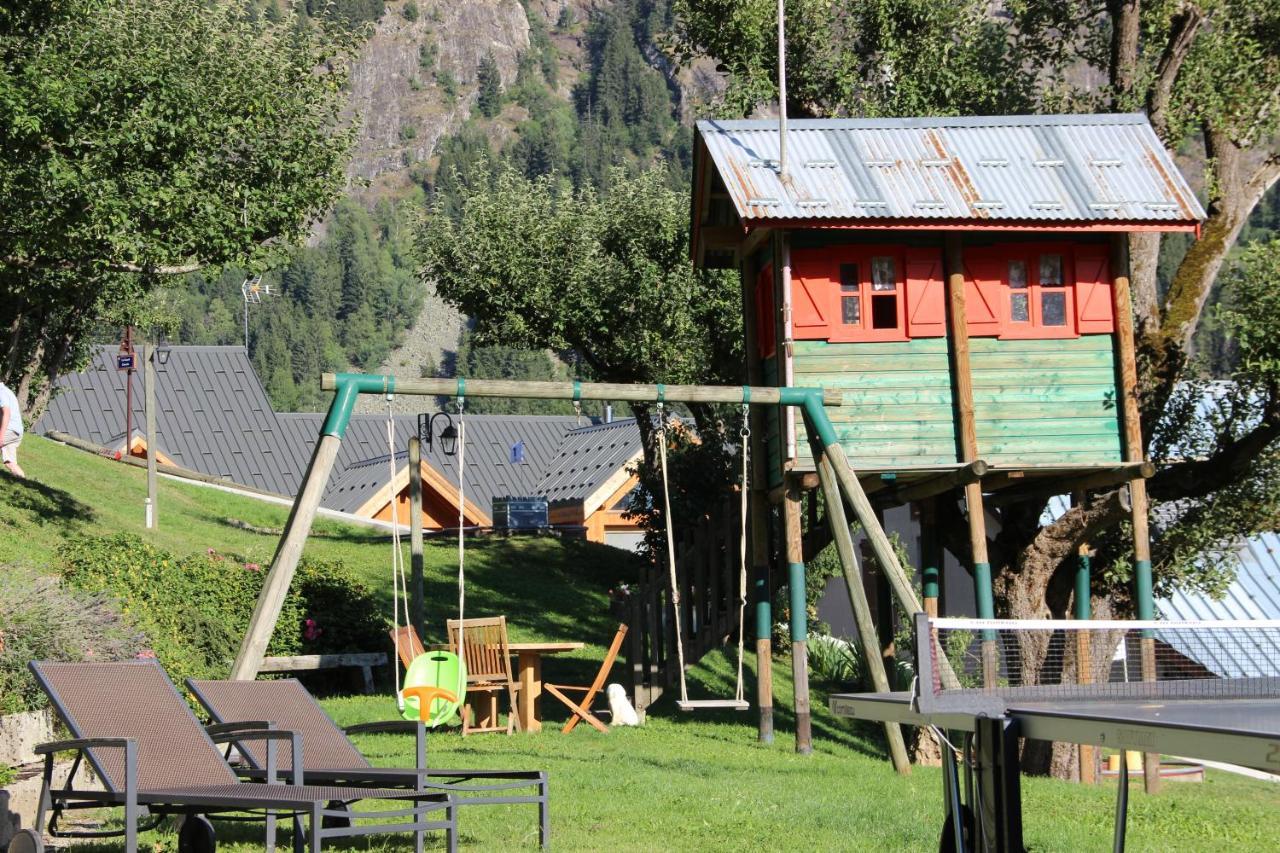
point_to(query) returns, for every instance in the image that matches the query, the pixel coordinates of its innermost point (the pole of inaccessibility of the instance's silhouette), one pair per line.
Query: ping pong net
(985, 666)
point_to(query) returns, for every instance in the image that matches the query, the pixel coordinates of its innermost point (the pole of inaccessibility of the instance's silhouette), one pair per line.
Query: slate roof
(1048, 168)
(588, 458)
(361, 468)
(213, 415)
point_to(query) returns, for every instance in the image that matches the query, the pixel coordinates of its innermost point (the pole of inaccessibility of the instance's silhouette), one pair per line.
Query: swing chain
(746, 422)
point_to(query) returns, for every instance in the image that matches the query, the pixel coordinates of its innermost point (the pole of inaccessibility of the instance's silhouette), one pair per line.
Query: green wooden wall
(898, 410)
(1036, 402)
(1046, 402)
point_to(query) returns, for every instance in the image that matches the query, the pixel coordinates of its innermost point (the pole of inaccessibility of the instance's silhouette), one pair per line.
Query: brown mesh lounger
(329, 756)
(155, 759)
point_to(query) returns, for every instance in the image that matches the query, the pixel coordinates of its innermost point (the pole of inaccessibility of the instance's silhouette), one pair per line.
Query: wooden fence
(707, 569)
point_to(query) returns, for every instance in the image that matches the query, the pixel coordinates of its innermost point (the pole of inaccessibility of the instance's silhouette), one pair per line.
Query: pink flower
(311, 631)
(146, 654)
(253, 567)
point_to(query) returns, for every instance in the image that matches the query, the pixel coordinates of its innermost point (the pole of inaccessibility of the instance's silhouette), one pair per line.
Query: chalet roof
(213, 415)
(588, 459)
(361, 468)
(1031, 169)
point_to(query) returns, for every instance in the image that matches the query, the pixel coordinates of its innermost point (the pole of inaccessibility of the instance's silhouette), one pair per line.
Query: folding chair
(154, 759)
(329, 757)
(582, 710)
(406, 641)
(487, 656)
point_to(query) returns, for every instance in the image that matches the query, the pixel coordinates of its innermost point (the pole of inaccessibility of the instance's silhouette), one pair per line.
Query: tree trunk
(1164, 351)
(1125, 27)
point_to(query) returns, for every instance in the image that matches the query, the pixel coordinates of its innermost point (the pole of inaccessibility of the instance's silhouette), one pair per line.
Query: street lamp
(448, 436)
(157, 353)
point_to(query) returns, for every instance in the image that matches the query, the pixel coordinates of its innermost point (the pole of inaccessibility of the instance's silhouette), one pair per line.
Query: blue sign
(124, 361)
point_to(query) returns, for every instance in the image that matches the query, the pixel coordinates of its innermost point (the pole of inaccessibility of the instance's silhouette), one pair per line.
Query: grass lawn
(679, 783)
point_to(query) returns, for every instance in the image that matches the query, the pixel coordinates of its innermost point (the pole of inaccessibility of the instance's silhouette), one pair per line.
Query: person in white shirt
(10, 430)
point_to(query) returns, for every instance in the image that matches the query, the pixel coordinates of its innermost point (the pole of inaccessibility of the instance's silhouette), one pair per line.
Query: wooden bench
(366, 661)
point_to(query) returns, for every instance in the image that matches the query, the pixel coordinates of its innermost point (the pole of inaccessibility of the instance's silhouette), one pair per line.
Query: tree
(606, 275)
(144, 138)
(488, 87)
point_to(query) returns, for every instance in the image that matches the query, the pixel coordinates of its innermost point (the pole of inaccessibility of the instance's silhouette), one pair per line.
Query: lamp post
(152, 354)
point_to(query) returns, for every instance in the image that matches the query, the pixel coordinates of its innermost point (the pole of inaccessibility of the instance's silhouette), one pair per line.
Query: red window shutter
(1094, 311)
(812, 295)
(926, 296)
(765, 329)
(984, 288)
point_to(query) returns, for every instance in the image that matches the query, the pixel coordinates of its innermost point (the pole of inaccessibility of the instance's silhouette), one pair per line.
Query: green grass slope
(682, 782)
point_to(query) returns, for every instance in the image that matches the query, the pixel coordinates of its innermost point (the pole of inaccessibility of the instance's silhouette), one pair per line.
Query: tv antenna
(252, 290)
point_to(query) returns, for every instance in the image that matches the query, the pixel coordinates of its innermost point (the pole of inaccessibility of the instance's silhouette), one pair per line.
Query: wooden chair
(582, 710)
(488, 661)
(405, 640)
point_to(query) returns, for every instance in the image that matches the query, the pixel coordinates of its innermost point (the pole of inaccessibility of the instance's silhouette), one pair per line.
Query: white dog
(620, 707)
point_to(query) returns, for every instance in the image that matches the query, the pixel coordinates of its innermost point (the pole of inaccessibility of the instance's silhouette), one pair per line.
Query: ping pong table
(1206, 691)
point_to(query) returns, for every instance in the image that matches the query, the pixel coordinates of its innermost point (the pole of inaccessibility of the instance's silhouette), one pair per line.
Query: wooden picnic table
(529, 674)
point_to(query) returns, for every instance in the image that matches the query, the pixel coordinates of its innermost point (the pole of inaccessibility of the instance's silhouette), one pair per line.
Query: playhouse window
(1019, 297)
(850, 298)
(1053, 292)
(884, 294)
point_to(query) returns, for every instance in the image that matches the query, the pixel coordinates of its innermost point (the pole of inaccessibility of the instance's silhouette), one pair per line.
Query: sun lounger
(155, 759)
(329, 756)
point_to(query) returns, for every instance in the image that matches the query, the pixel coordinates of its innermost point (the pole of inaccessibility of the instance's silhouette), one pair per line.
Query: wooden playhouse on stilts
(965, 283)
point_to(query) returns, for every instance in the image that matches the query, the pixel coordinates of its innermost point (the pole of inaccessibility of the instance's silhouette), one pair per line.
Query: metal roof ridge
(1018, 120)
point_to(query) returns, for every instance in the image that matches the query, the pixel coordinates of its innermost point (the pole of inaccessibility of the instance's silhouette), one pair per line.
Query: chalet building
(214, 417)
(964, 282)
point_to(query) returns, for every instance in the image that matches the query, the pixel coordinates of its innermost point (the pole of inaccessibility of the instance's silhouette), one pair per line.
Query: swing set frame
(839, 483)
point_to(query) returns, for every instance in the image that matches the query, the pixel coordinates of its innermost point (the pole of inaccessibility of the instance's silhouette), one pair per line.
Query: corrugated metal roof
(588, 458)
(1254, 593)
(213, 415)
(1068, 168)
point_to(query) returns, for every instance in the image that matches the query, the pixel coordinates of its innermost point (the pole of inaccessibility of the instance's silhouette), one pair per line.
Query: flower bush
(195, 609)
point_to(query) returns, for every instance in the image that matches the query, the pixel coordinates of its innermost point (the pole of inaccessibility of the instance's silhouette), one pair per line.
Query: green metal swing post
(347, 387)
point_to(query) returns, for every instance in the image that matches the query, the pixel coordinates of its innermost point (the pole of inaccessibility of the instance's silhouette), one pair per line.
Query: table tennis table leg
(1122, 804)
(999, 805)
(955, 813)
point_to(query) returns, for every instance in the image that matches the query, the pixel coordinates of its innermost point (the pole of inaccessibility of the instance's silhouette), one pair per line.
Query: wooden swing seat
(713, 704)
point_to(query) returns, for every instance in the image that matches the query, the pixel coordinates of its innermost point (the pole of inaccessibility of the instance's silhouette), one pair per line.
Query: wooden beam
(262, 624)
(722, 237)
(615, 391)
(799, 617)
(1035, 487)
(926, 488)
(1135, 451)
(839, 525)
(962, 382)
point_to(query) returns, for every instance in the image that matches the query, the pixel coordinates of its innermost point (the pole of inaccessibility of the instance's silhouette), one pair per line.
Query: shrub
(42, 619)
(835, 661)
(410, 11)
(196, 609)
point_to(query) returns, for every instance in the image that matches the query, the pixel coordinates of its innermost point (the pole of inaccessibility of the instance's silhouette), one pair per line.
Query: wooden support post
(884, 614)
(1135, 451)
(962, 382)
(764, 610)
(930, 556)
(285, 562)
(1084, 650)
(792, 510)
(416, 615)
(839, 524)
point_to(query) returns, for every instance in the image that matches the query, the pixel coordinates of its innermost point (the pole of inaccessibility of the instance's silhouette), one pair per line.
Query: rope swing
(684, 703)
